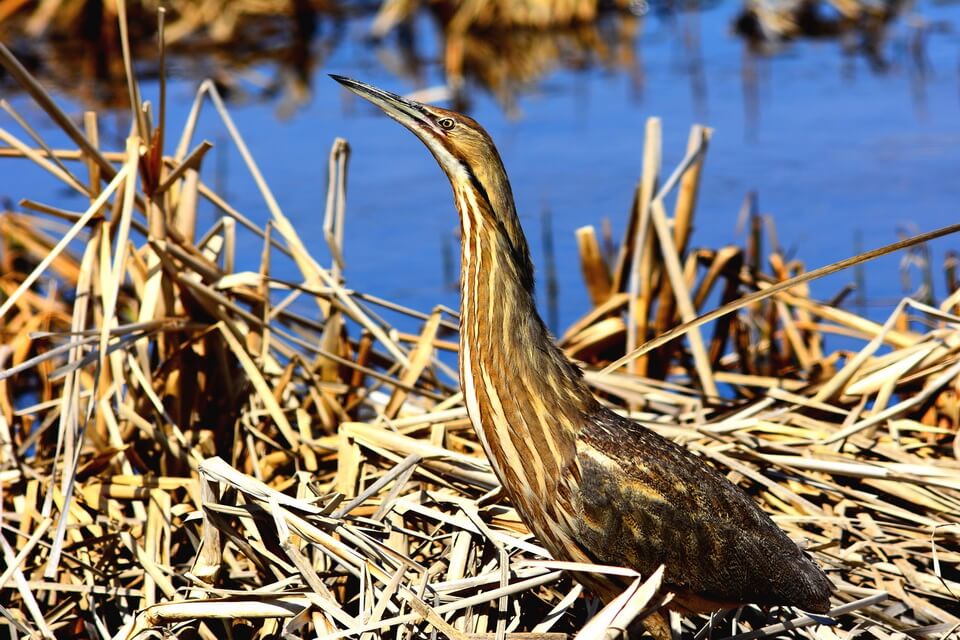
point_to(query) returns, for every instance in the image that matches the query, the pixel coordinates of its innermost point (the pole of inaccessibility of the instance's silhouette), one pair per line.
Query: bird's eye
(446, 123)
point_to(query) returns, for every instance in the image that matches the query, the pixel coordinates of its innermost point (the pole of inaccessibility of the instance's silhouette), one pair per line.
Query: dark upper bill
(405, 111)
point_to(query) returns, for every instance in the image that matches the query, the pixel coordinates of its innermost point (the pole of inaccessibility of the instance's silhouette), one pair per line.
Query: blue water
(832, 146)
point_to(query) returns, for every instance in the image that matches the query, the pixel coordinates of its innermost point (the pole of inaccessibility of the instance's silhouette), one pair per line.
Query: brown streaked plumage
(592, 485)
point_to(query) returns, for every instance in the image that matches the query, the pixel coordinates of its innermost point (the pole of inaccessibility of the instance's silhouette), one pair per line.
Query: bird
(592, 485)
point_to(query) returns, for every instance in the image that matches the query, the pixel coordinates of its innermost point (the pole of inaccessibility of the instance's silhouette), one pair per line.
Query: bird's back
(643, 501)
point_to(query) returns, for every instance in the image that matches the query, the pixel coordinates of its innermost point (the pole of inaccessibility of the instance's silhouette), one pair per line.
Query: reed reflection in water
(270, 50)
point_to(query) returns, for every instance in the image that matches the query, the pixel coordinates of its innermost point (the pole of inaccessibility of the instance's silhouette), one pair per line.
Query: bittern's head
(462, 148)
(469, 158)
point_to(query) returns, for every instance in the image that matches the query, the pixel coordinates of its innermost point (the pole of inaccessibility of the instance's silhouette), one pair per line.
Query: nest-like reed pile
(190, 443)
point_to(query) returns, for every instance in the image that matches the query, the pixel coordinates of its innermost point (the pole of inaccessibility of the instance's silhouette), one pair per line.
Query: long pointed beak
(406, 112)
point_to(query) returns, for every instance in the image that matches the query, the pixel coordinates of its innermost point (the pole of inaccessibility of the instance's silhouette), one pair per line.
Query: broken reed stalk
(188, 439)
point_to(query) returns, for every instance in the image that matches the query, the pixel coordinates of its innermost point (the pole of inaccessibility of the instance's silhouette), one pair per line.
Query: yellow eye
(446, 123)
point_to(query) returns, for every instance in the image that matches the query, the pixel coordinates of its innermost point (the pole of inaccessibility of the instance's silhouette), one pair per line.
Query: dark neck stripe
(475, 181)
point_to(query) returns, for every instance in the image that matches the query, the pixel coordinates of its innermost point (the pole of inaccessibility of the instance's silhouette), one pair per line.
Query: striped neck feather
(524, 396)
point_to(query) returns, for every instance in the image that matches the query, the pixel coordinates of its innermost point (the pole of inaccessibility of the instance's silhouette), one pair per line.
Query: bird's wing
(643, 501)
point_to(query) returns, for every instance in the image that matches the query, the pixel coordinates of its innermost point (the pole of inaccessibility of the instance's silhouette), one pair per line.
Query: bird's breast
(527, 459)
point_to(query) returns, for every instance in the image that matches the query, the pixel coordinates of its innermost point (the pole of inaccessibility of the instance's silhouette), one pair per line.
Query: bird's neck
(522, 394)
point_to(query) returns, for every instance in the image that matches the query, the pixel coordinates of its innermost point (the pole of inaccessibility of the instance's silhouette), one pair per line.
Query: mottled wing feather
(645, 501)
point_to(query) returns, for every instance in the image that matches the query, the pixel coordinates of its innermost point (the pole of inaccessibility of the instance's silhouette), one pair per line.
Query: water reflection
(506, 62)
(860, 25)
(271, 49)
(253, 50)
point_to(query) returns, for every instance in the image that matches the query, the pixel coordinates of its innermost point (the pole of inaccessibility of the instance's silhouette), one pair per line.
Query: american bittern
(592, 485)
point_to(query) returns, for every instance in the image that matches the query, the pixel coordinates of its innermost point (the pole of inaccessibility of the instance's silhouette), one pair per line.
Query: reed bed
(190, 444)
